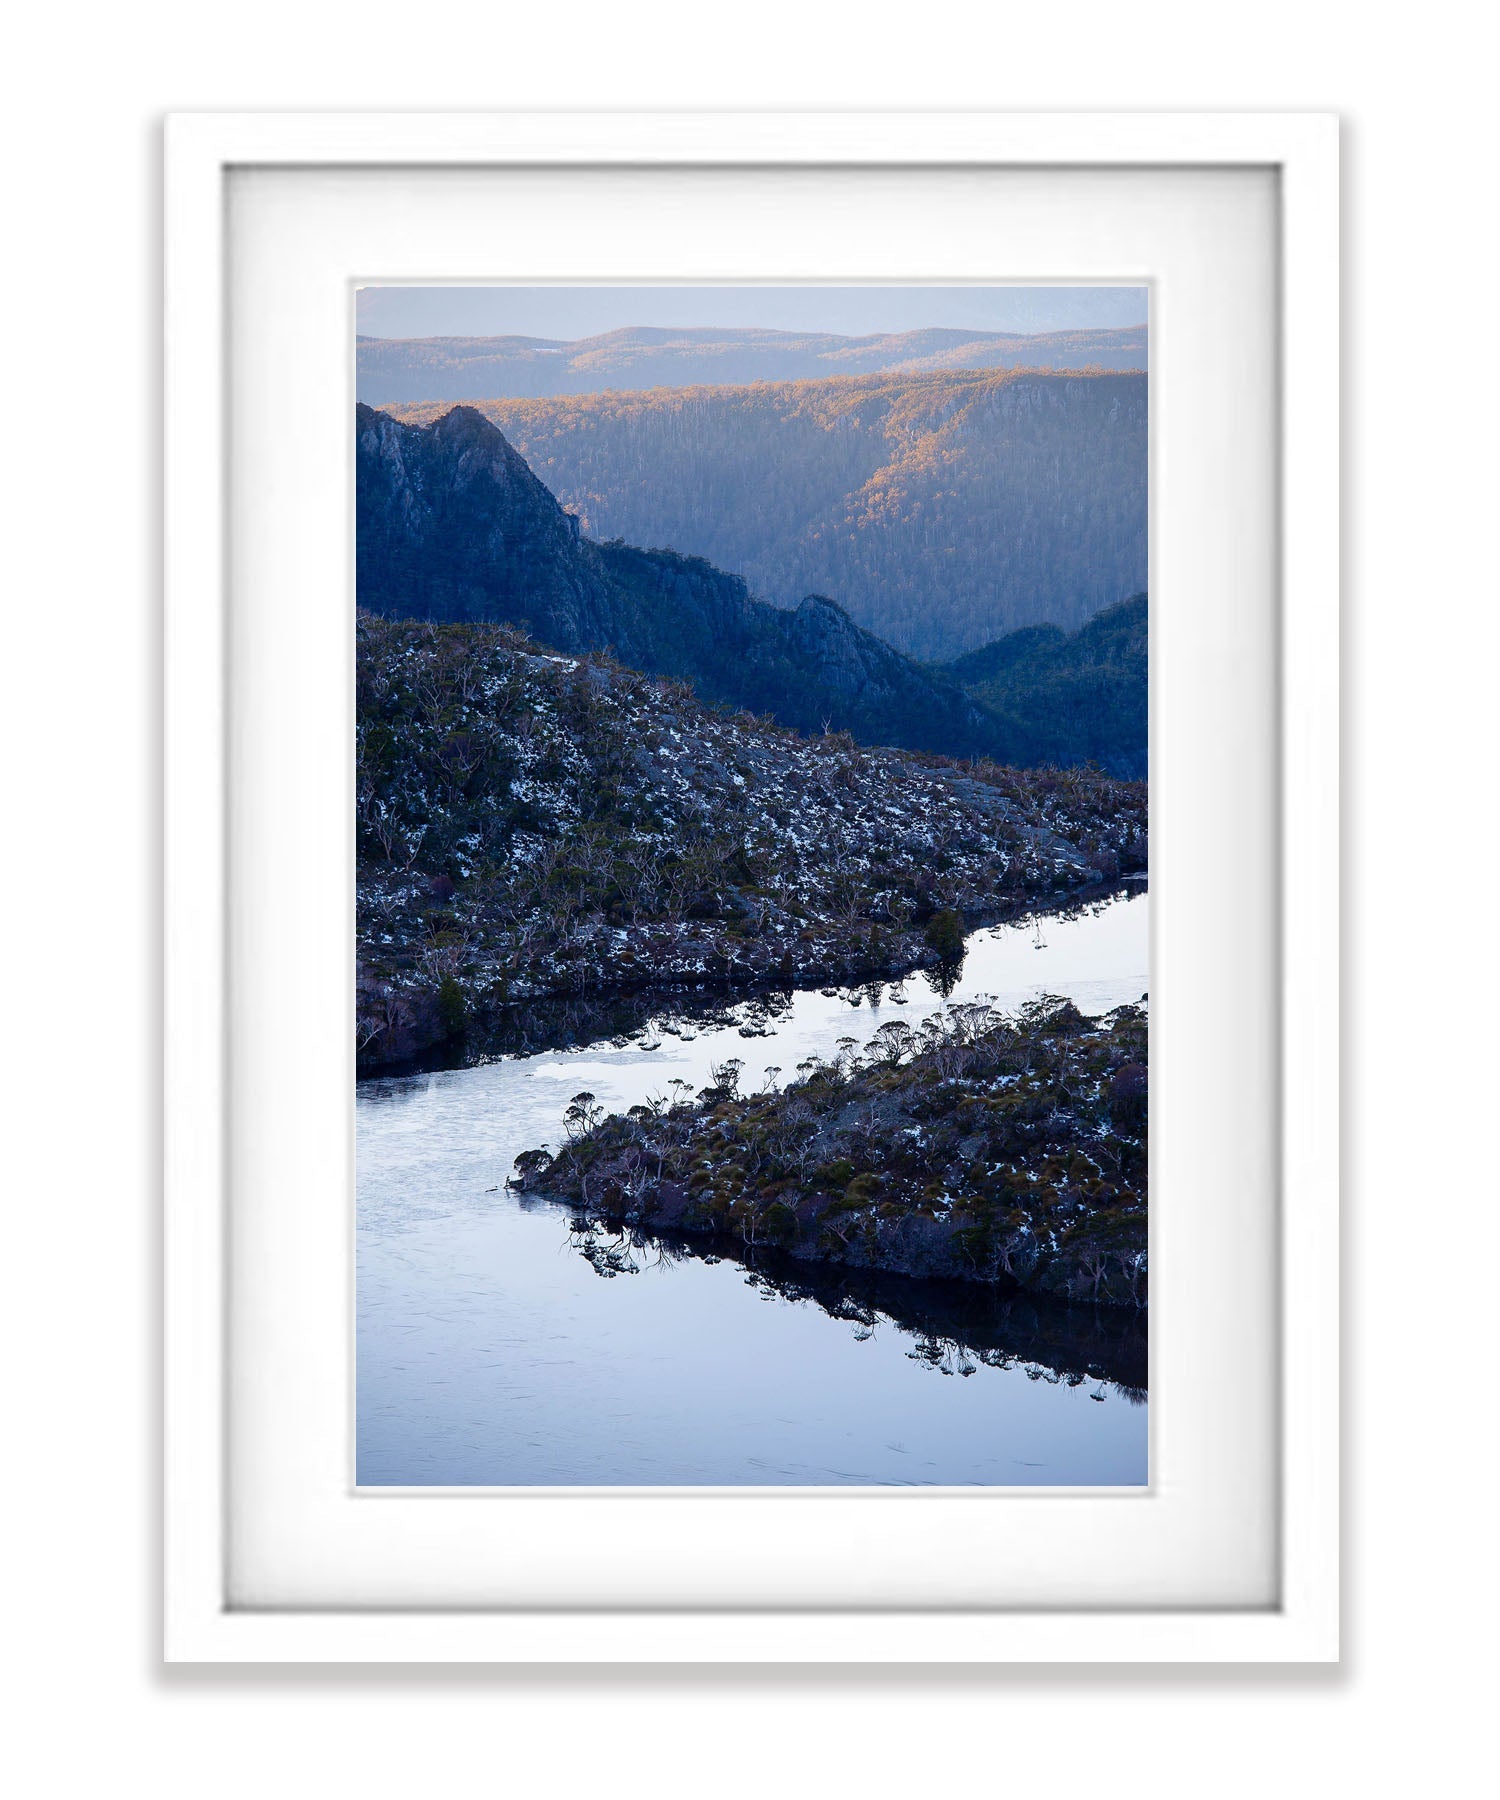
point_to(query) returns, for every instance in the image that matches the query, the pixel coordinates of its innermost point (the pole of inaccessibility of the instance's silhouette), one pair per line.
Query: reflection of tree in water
(956, 1327)
(641, 1018)
(945, 976)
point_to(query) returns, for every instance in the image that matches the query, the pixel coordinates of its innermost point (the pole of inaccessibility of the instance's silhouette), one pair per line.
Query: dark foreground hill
(543, 829)
(391, 370)
(1068, 699)
(452, 525)
(940, 510)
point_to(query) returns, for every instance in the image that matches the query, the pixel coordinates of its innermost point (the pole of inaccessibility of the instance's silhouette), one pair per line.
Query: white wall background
(89, 1707)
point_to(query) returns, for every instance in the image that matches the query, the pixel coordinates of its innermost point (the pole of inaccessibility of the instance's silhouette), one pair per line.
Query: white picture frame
(211, 755)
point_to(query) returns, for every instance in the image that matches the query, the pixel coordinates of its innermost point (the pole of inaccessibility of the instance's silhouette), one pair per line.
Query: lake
(492, 1352)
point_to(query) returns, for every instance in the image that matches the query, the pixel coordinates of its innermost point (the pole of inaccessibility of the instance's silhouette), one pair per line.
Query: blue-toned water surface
(490, 1352)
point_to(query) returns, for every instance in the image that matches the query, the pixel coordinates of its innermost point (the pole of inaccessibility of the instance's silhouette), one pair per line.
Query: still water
(490, 1352)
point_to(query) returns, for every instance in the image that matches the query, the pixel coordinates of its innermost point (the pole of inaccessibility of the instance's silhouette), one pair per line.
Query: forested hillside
(1068, 699)
(389, 370)
(452, 525)
(941, 510)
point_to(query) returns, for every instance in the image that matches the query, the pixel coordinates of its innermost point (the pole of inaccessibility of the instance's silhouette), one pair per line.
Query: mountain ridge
(453, 525)
(941, 510)
(1069, 698)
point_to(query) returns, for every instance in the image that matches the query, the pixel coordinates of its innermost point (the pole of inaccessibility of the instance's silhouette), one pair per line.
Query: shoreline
(1007, 1149)
(583, 1015)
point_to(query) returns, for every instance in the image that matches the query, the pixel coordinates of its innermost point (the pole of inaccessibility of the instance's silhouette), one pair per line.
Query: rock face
(451, 524)
(853, 662)
(454, 526)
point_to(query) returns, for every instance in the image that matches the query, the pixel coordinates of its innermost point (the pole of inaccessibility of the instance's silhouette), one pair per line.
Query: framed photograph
(752, 888)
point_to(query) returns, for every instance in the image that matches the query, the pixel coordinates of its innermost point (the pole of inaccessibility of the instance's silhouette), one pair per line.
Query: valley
(939, 509)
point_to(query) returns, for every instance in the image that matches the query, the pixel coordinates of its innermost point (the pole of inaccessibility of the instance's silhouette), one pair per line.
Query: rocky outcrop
(452, 524)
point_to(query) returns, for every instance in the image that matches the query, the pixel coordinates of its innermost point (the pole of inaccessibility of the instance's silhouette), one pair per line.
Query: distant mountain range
(490, 368)
(453, 525)
(940, 510)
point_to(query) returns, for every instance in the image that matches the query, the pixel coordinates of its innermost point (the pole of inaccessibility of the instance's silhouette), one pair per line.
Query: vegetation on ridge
(533, 825)
(1064, 699)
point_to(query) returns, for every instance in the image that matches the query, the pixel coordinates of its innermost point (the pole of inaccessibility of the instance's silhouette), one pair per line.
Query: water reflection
(957, 1326)
(642, 1017)
(945, 977)
(491, 1352)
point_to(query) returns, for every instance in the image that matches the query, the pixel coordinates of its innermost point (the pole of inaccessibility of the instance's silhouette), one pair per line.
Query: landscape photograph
(752, 916)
